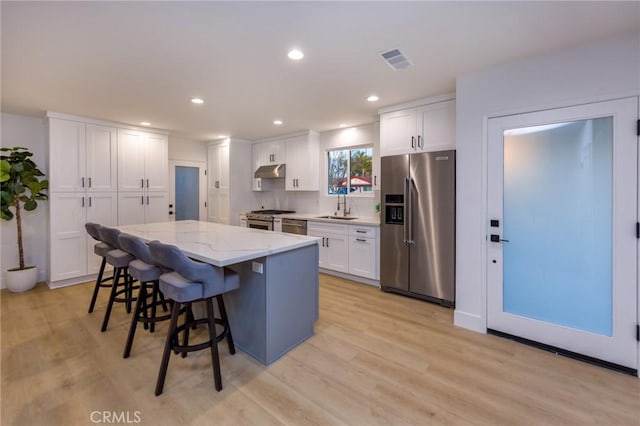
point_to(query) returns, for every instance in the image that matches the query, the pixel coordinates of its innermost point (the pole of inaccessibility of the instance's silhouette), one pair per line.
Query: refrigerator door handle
(411, 185)
(407, 208)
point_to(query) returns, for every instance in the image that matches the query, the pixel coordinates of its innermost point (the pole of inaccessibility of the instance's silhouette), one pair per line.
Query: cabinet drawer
(363, 231)
(325, 228)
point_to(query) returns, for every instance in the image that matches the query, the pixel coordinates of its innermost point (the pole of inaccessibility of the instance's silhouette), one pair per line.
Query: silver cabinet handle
(147, 200)
(89, 201)
(82, 182)
(89, 182)
(419, 144)
(375, 180)
(142, 200)
(327, 241)
(82, 201)
(147, 183)
(360, 231)
(141, 183)
(413, 139)
(323, 242)
(362, 240)
(259, 183)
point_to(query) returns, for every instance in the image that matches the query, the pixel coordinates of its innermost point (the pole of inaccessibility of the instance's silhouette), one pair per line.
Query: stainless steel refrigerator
(417, 226)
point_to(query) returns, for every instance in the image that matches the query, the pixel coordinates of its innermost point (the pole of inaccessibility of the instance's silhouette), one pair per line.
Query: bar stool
(193, 281)
(148, 275)
(101, 249)
(119, 259)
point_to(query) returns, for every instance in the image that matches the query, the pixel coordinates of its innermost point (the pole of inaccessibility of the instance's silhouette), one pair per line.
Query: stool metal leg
(225, 321)
(215, 357)
(116, 278)
(154, 301)
(188, 318)
(173, 325)
(129, 286)
(140, 305)
(97, 286)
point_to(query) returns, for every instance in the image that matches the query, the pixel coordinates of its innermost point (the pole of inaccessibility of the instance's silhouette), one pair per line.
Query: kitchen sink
(336, 217)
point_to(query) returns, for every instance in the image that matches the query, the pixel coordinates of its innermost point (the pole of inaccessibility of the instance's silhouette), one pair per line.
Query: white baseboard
(363, 280)
(469, 321)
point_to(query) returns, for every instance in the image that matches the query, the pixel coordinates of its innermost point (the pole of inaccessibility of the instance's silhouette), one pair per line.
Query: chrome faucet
(345, 211)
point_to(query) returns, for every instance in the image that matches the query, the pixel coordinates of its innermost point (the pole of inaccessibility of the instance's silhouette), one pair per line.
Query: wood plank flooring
(375, 359)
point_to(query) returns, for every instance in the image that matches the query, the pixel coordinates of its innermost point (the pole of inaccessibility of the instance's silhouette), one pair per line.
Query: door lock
(495, 238)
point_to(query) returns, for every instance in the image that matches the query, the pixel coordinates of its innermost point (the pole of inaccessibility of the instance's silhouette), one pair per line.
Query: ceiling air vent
(396, 59)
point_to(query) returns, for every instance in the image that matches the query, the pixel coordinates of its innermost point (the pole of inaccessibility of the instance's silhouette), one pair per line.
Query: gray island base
(274, 311)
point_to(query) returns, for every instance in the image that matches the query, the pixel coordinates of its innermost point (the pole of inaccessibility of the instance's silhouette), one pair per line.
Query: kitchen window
(350, 171)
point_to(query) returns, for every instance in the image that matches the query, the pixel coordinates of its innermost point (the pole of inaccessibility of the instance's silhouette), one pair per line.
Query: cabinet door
(362, 257)
(256, 156)
(156, 162)
(131, 147)
(398, 132)
(102, 208)
(102, 160)
(302, 160)
(337, 252)
(274, 152)
(131, 207)
(437, 126)
(68, 236)
(67, 156)
(322, 252)
(218, 206)
(156, 208)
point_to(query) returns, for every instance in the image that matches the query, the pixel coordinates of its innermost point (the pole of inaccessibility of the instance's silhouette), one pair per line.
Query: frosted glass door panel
(187, 189)
(558, 220)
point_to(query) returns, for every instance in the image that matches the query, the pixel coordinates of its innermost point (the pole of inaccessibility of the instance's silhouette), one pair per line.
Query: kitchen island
(276, 305)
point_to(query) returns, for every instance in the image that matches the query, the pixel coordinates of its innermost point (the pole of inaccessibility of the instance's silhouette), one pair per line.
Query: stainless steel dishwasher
(294, 226)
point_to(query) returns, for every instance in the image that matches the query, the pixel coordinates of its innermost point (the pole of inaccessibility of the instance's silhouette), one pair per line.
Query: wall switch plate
(257, 267)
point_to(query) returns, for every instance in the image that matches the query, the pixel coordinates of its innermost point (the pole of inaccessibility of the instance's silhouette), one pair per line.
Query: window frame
(369, 194)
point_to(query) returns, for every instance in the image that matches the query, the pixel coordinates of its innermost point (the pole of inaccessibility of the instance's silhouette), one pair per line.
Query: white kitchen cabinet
(303, 159)
(424, 128)
(71, 248)
(228, 180)
(334, 247)
(82, 157)
(142, 207)
(363, 257)
(142, 161)
(265, 154)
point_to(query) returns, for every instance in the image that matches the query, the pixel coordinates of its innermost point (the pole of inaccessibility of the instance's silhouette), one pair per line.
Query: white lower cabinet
(334, 250)
(363, 249)
(71, 249)
(142, 207)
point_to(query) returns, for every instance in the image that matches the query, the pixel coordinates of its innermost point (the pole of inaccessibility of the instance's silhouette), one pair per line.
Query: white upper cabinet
(218, 182)
(82, 157)
(424, 128)
(142, 161)
(273, 152)
(257, 160)
(303, 158)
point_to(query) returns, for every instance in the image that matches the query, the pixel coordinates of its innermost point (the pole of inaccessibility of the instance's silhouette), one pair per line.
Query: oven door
(267, 225)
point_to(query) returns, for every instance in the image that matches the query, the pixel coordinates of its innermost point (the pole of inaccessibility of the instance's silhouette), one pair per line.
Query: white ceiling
(143, 61)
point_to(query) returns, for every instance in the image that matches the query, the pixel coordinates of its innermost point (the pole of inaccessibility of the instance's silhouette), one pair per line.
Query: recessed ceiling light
(197, 101)
(343, 125)
(372, 98)
(277, 122)
(145, 123)
(295, 54)
(222, 136)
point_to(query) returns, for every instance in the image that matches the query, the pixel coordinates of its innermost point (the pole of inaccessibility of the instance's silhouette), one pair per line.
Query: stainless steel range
(263, 219)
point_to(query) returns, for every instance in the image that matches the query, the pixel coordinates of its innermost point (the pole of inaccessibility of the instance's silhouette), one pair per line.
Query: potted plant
(21, 187)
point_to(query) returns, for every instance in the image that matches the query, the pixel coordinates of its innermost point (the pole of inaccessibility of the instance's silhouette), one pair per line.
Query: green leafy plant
(21, 186)
(377, 207)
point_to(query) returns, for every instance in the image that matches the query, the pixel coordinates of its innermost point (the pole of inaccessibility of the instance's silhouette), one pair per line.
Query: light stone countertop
(218, 244)
(359, 220)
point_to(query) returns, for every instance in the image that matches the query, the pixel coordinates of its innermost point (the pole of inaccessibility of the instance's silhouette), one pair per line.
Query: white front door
(561, 238)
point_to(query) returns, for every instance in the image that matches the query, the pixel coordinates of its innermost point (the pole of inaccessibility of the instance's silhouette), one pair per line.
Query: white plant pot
(22, 280)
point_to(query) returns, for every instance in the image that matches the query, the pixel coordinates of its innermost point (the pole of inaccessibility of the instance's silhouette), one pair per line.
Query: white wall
(187, 150)
(28, 132)
(320, 201)
(607, 69)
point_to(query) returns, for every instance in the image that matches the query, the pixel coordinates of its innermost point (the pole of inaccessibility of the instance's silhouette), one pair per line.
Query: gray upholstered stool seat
(147, 273)
(101, 249)
(119, 259)
(189, 282)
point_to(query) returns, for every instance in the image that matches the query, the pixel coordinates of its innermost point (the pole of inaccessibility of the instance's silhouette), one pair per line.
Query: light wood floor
(375, 358)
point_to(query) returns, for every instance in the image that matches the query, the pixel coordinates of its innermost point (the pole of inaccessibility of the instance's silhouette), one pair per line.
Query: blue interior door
(187, 188)
(561, 250)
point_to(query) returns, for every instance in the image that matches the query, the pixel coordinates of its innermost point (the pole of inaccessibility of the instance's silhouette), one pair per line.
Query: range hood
(273, 171)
